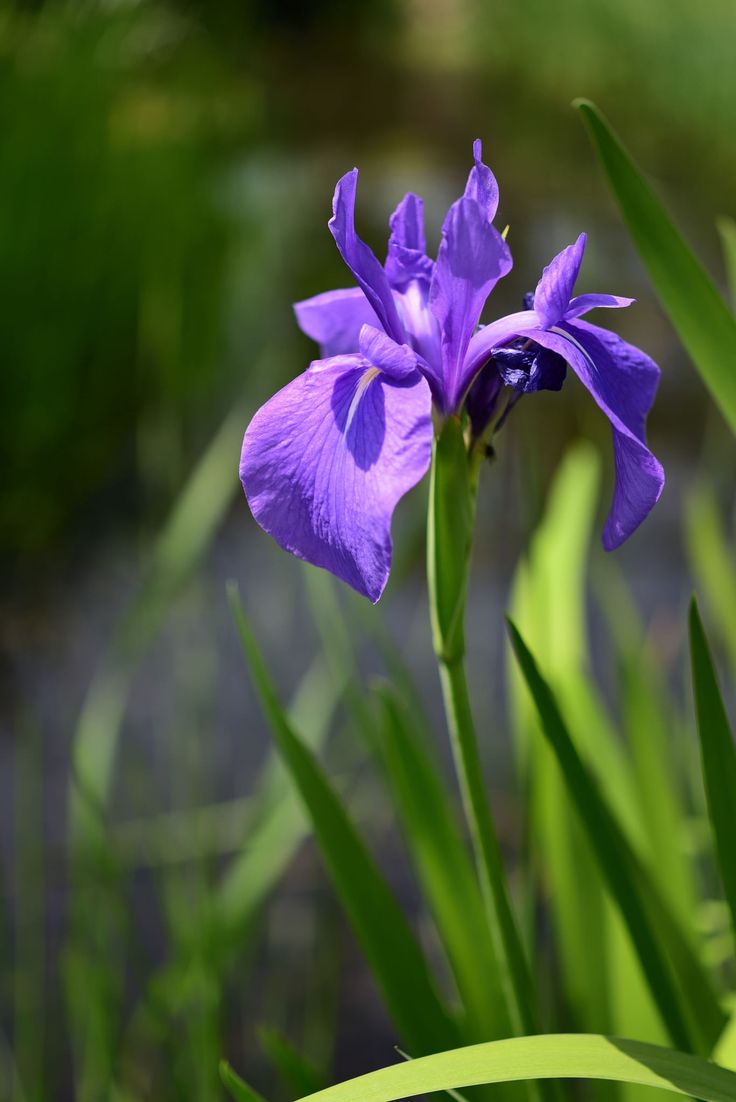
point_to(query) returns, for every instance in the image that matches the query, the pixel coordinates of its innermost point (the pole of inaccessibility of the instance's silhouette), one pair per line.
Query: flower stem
(449, 538)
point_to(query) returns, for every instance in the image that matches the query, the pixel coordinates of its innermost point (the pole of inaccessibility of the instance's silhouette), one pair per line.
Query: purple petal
(554, 290)
(327, 459)
(335, 318)
(407, 246)
(472, 258)
(492, 336)
(482, 185)
(623, 382)
(407, 224)
(582, 303)
(395, 360)
(360, 259)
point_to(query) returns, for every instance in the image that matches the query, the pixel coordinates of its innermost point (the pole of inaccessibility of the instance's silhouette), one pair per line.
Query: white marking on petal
(363, 383)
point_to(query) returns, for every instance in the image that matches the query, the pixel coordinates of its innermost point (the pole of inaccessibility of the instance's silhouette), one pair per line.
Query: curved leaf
(553, 1056)
(703, 321)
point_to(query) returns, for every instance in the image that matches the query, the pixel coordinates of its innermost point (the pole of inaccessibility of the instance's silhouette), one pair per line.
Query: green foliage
(705, 325)
(718, 753)
(556, 1056)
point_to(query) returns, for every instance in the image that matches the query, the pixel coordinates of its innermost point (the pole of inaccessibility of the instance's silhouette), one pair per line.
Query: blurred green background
(166, 170)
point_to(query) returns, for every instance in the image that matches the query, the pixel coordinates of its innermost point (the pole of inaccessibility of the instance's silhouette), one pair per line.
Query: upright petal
(407, 246)
(623, 382)
(327, 459)
(482, 185)
(361, 260)
(471, 260)
(335, 318)
(554, 290)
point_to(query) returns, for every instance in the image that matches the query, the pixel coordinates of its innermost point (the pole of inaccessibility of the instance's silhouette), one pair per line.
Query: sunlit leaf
(703, 321)
(554, 1056)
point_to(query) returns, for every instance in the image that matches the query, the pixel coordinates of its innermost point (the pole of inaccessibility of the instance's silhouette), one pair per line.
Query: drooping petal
(472, 258)
(582, 303)
(407, 247)
(623, 381)
(335, 318)
(554, 290)
(482, 185)
(397, 361)
(361, 260)
(327, 459)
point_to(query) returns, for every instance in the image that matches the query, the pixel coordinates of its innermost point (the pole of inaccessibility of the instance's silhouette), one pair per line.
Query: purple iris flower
(530, 349)
(325, 462)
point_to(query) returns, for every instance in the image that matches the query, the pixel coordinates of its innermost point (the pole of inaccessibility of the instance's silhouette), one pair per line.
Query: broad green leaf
(443, 865)
(384, 934)
(615, 860)
(552, 1056)
(718, 753)
(703, 321)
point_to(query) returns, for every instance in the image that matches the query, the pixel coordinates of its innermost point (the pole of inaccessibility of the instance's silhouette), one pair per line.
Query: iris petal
(623, 381)
(335, 318)
(471, 260)
(361, 260)
(326, 460)
(482, 184)
(407, 246)
(554, 290)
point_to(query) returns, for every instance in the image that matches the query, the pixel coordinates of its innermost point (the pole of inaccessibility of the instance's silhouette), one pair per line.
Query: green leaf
(299, 1075)
(390, 947)
(552, 1056)
(711, 556)
(718, 753)
(615, 860)
(239, 1090)
(443, 865)
(727, 230)
(703, 321)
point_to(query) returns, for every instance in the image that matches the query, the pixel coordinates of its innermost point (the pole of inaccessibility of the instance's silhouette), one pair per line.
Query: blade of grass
(718, 754)
(443, 865)
(711, 556)
(185, 537)
(703, 321)
(615, 860)
(390, 947)
(552, 1056)
(727, 231)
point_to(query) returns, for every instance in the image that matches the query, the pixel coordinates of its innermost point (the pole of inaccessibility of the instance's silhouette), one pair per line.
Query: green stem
(450, 529)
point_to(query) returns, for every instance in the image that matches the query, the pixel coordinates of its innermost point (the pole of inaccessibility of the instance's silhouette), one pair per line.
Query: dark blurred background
(166, 171)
